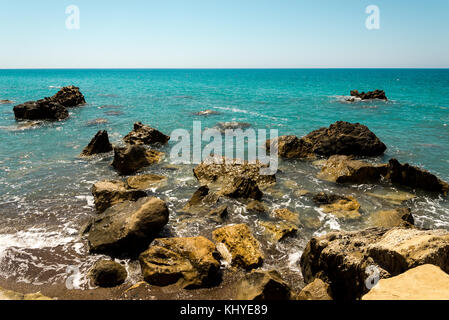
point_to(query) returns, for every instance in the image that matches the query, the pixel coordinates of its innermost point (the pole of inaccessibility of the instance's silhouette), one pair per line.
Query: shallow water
(45, 188)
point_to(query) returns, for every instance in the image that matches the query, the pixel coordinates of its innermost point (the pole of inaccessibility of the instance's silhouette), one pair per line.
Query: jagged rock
(108, 274)
(413, 177)
(342, 138)
(188, 262)
(278, 230)
(44, 109)
(128, 160)
(127, 227)
(110, 192)
(426, 282)
(263, 285)
(343, 257)
(145, 181)
(343, 169)
(316, 290)
(401, 217)
(242, 187)
(99, 144)
(143, 134)
(240, 245)
(219, 214)
(222, 171)
(287, 215)
(202, 199)
(69, 97)
(53, 108)
(370, 95)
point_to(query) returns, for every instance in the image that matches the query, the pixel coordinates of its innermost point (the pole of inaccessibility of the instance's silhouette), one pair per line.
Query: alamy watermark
(373, 20)
(73, 21)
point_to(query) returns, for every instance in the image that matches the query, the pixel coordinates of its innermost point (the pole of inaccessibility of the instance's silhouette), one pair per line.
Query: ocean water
(45, 188)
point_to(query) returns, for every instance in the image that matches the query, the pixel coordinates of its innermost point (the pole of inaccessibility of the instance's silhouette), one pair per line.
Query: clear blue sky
(223, 34)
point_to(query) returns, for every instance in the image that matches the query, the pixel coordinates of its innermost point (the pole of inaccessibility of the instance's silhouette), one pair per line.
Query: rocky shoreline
(230, 260)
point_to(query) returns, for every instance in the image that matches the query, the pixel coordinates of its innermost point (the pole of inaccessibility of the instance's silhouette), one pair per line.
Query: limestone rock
(143, 134)
(426, 282)
(340, 206)
(242, 187)
(188, 262)
(127, 227)
(316, 290)
(128, 160)
(12, 295)
(108, 274)
(110, 192)
(278, 230)
(241, 244)
(343, 169)
(145, 181)
(287, 215)
(99, 144)
(400, 217)
(263, 286)
(256, 206)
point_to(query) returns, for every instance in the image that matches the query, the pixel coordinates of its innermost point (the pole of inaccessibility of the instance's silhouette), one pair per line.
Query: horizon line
(216, 68)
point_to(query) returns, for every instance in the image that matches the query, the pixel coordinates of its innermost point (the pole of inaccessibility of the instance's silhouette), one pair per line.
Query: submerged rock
(12, 295)
(263, 285)
(233, 125)
(127, 227)
(202, 199)
(426, 282)
(222, 172)
(370, 95)
(108, 274)
(394, 197)
(401, 217)
(240, 244)
(96, 122)
(413, 177)
(145, 181)
(53, 108)
(143, 134)
(242, 187)
(128, 160)
(110, 192)
(99, 144)
(343, 208)
(287, 215)
(256, 206)
(188, 262)
(342, 138)
(343, 169)
(6, 102)
(278, 230)
(207, 113)
(343, 257)
(316, 290)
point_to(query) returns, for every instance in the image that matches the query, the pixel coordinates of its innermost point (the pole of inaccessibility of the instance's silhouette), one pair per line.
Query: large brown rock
(70, 96)
(413, 177)
(426, 282)
(188, 262)
(263, 286)
(370, 95)
(108, 274)
(127, 227)
(110, 192)
(342, 258)
(222, 171)
(99, 144)
(240, 244)
(341, 138)
(128, 160)
(316, 290)
(344, 169)
(399, 217)
(145, 181)
(53, 108)
(278, 230)
(142, 134)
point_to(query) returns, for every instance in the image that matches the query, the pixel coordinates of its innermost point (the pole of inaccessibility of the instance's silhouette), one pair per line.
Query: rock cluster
(370, 95)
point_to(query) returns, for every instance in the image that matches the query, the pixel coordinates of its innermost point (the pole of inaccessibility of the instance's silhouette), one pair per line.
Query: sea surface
(45, 194)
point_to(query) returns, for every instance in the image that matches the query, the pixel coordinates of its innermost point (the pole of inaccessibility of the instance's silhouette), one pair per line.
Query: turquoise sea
(45, 188)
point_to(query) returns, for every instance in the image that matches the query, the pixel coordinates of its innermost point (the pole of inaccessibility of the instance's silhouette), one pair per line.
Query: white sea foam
(256, 114)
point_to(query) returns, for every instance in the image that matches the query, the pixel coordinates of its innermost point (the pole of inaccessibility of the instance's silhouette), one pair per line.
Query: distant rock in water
(371, 95)
(207, 113)
(143, 134)
(69, 97)
(53, 108)
(96, 122)
(232, 125)
(130, 159)
(99, 144)
(6, 102)
(341, 138)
